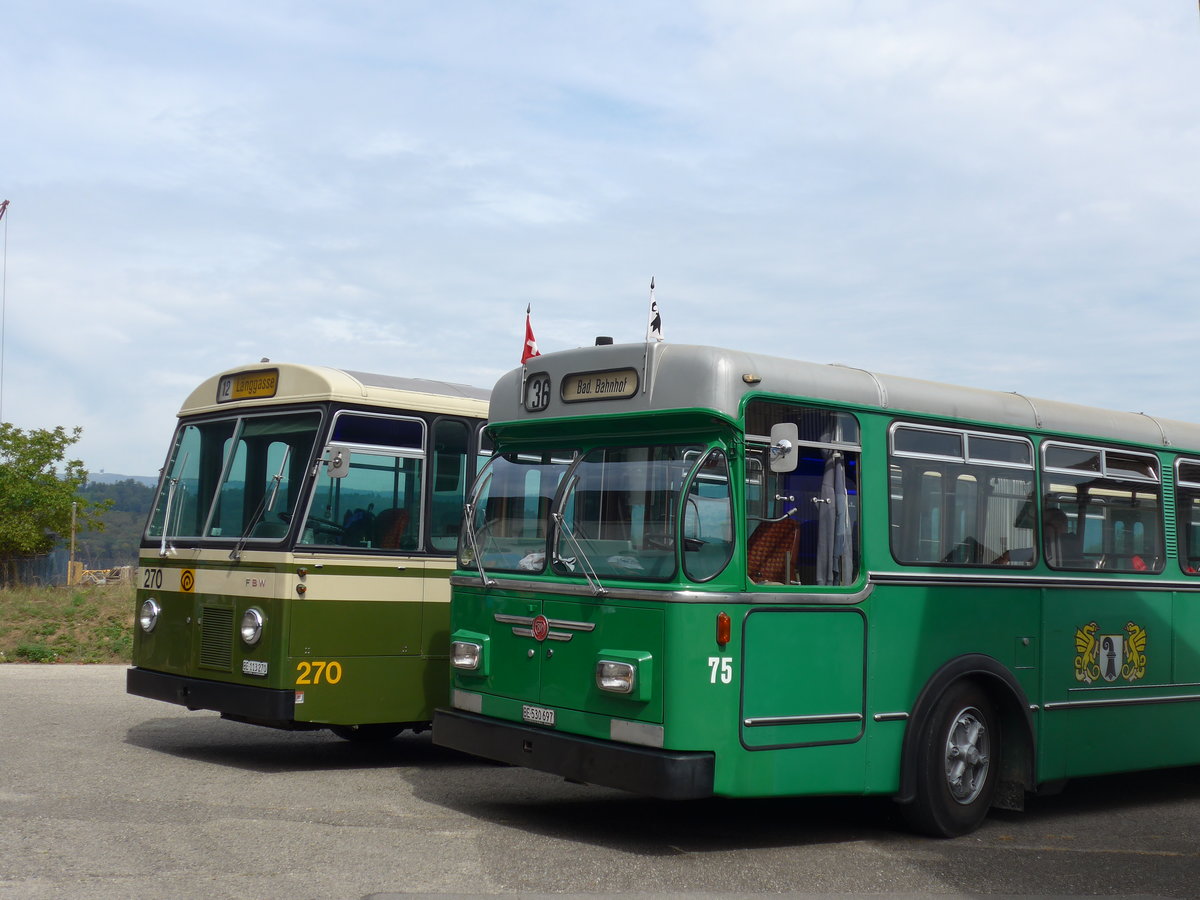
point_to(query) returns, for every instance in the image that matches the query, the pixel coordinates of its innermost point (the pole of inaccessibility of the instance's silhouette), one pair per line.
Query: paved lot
(103, 795)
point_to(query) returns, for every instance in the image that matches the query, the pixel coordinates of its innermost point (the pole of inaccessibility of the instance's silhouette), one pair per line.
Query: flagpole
(524, 361)
(3, 305)
(646, 349)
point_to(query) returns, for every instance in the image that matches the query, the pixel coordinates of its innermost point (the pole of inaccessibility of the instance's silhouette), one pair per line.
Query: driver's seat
(390, 526)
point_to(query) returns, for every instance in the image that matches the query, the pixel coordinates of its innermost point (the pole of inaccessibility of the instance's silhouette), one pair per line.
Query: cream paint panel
(377, 583)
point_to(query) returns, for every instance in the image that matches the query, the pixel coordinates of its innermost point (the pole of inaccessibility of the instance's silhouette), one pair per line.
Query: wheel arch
(1017, 748)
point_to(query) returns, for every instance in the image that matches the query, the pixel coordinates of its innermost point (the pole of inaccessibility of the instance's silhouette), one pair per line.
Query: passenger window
(1187, 514)
(450, 476)
(377, 503)
(973, 509)
(1101, 509)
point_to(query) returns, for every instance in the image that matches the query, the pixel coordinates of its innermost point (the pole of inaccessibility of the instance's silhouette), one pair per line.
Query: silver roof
(420, 385)
(690, 376)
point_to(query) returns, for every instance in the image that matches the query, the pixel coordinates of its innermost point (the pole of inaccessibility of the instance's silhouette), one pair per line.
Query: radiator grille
(216, 639)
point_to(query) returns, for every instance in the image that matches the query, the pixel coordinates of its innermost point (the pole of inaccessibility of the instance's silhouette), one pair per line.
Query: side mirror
(784, 438)
(338, 464)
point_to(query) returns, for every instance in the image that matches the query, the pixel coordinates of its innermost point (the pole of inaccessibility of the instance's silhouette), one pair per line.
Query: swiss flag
(530, 350)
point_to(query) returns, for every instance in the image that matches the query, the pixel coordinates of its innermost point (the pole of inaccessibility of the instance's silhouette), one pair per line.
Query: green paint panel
(365, 689)
(344, 628)
(804, 677)
(569, 674)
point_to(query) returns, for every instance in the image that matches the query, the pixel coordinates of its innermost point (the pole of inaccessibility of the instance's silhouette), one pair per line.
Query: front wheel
(957, 765)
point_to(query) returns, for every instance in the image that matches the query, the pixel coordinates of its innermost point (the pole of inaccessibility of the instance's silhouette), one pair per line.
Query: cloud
(953, 191)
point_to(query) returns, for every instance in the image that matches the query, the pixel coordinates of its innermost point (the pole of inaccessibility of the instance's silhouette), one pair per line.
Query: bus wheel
(958, 764)
(367, 734)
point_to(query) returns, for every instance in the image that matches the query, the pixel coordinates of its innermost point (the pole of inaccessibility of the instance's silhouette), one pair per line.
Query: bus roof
(294, 383)
(683, 376)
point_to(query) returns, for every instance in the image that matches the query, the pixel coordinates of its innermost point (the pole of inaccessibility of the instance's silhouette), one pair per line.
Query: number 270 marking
(720, 665)
(310, 672)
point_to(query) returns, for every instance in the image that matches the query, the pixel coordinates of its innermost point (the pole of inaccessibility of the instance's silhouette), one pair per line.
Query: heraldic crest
(1107, 657)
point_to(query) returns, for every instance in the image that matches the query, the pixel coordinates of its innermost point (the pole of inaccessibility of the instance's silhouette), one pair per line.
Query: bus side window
(449, 481)
(802, 523)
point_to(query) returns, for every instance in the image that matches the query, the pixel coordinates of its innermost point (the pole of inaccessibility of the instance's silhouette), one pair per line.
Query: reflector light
(724, 628)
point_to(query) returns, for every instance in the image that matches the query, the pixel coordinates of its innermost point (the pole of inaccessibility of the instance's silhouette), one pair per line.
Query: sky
(996, 194)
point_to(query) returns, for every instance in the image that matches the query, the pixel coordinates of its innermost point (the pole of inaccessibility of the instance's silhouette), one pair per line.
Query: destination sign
(615, 384)
(248, 385)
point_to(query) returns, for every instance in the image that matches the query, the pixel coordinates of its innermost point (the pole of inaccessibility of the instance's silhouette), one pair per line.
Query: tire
(367, 734)
(957, 765)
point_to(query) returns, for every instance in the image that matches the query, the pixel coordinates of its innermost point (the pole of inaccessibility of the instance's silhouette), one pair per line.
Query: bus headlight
(252, 626)
(466, 655)
(618, 677)
(469, 653)
(148, 615)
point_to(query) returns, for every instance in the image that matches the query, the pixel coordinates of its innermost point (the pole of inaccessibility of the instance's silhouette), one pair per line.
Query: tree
(37, 488)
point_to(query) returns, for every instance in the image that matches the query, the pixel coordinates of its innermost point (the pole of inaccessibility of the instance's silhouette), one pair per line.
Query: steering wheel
(325, 526)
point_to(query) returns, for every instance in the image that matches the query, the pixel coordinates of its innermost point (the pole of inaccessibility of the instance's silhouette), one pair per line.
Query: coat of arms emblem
(1110, 657)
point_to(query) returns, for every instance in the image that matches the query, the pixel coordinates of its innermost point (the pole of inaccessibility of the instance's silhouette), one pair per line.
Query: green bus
(294, 570)
(693, 572)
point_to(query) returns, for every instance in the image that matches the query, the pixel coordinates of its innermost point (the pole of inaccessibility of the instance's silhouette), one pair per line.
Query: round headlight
(252, 626)
(148, 615)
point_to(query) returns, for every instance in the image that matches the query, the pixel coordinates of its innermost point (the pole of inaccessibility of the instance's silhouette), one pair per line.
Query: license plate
(536, 715)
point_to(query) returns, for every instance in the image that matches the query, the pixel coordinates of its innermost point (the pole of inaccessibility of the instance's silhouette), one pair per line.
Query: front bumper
(668, 774)
(267, 706)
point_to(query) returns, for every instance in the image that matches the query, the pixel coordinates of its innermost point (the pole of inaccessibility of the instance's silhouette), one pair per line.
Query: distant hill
(117, 544)
(113, 478)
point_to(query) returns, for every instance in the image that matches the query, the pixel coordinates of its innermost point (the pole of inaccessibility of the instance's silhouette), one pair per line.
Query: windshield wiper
(172, 483)
(589, 571)
(469, 528)
(265, 505)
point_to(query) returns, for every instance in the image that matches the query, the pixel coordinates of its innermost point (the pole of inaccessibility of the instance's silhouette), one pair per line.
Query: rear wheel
(364, 734)
(959, 758)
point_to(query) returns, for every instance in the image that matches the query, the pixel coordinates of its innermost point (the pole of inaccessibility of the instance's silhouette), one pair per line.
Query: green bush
(39, 653)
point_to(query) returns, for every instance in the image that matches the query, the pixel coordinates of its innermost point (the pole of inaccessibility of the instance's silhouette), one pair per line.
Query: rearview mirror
(338, 464)
(784, 438)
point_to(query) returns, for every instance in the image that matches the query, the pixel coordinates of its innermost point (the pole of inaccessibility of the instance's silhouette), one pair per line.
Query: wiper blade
(585, 564)
(265, 505)
(172, 483)
(469, 528)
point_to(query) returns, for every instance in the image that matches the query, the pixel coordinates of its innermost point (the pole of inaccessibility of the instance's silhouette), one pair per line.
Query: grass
(84, 624)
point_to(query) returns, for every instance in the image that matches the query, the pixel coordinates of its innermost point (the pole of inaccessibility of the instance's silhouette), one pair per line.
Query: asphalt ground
(103, 795)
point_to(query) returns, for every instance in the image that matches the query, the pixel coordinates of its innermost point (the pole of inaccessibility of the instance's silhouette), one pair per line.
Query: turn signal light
(724, 628)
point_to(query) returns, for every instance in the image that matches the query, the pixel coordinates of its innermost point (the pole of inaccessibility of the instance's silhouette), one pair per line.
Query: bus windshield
(505, 525)
(618, 512)
(234, 478)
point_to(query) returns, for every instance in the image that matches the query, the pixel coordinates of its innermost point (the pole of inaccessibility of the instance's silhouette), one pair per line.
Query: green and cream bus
(691, 572)
(294, 569)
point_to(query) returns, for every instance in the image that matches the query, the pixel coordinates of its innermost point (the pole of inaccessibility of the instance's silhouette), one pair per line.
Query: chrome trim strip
(550, 635)
(1123, 701)
(783, 597)
(891, 717)
(636, 733)
(833, 719)
(1008, 580)
(468, 701)
(505, 619)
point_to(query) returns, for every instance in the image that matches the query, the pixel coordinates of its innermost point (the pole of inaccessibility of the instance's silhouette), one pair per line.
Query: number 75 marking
(722, 665)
